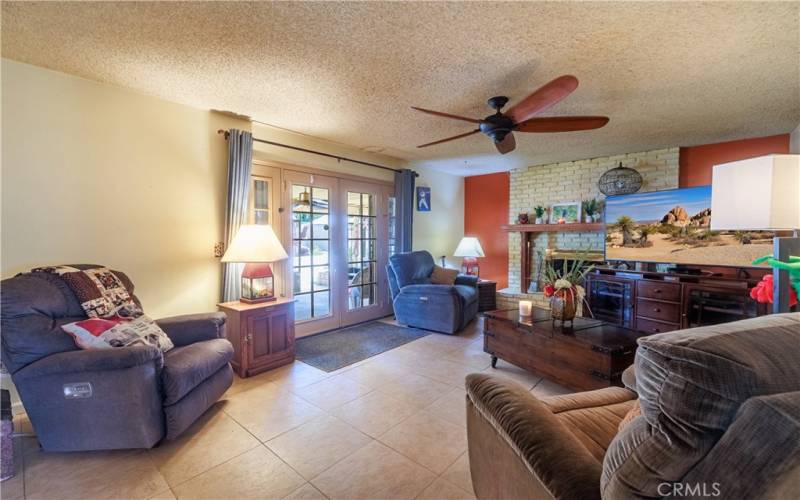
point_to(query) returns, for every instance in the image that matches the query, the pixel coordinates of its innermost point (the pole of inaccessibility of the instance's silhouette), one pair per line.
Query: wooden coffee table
(589, 354)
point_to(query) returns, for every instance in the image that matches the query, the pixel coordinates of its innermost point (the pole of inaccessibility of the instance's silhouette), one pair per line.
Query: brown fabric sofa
(720, 417)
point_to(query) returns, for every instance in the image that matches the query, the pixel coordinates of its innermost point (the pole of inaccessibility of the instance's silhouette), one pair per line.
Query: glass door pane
(260, 201)
(361, 294)
(311, 251)
(265, 197)
(361, 251)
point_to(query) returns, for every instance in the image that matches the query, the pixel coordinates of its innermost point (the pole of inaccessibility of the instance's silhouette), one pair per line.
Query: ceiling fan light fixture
(520, 117)
(497, 102)
(498, 136)
(496, 126)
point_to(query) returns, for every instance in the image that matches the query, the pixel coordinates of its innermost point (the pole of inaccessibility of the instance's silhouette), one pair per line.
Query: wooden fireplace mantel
(554, 228)
(528, 232)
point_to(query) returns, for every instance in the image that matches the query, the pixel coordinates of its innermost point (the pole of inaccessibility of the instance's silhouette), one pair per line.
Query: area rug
(333, 350)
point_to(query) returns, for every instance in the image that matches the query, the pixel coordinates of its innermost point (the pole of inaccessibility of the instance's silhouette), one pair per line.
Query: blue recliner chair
(418, 303)
(129, 397)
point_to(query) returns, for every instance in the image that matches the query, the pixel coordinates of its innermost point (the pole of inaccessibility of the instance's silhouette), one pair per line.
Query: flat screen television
(674, 227)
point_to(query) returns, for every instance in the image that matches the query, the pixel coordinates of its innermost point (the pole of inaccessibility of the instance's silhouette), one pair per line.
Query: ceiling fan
(520, 117)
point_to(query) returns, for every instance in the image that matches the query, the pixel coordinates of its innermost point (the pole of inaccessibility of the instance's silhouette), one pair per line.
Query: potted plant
(590, 208)
(565, 289)
(598, 213)
(539, 210)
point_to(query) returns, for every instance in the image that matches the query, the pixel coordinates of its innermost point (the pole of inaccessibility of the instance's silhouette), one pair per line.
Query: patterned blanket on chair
(100, 292)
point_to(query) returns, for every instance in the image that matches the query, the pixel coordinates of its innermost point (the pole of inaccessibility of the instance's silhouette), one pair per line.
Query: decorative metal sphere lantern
(620, 180)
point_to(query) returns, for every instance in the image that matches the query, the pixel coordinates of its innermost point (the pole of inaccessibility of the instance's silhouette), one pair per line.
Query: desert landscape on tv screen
(675, 226)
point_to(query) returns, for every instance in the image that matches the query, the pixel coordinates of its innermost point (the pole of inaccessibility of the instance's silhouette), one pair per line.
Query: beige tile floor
(390, 427)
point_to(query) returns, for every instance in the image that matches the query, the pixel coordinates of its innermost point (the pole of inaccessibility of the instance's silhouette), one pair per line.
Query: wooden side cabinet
(262, 335)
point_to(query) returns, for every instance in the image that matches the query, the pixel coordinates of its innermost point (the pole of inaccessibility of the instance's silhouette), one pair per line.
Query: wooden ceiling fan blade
(459, 136)
(447, 115)
(507, 145)
(561, 124)
(546, 96)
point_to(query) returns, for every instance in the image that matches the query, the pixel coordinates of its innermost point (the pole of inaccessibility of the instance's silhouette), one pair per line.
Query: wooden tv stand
(655, 302)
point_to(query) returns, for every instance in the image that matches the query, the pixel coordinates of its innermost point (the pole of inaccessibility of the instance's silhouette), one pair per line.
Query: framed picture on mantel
(565, 213)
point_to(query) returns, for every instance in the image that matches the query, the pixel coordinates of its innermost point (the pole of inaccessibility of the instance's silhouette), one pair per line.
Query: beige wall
(267, 152)
(440, 230)
(794, 141)
(93, 173)
(97, 174)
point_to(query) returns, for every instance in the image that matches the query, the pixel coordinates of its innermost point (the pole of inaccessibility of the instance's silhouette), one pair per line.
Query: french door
(338, 243)
(366, 250)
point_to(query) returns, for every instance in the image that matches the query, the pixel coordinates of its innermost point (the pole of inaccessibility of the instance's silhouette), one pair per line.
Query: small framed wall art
(423, 199)
(565, 213)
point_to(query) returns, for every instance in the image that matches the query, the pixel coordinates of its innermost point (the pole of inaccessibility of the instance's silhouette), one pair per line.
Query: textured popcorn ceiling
(667, 74)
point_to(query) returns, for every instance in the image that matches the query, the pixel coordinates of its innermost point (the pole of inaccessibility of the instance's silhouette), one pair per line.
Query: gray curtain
(404, 199)
(240, 160)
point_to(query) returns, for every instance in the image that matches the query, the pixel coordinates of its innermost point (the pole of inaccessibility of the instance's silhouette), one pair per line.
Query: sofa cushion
(634, 413)
(412, 268)
(187, 366)
(691, 383)
(592, 416)
(596, 427)
(762, 440)
(181, 415)
(33, 310)
(34, 306)
(629, 378)
(467, 294)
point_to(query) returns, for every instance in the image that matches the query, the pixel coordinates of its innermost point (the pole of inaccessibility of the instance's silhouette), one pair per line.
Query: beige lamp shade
(255, 243)
(758, 193)
(469, 246)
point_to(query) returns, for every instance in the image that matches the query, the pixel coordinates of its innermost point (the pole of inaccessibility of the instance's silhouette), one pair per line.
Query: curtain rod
(320, 153)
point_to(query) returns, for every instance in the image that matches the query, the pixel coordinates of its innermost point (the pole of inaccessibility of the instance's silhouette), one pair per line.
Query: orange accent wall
(696, 162)
(485, 210)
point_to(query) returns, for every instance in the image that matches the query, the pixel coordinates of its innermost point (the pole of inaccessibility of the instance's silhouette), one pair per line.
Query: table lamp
(470, 248)
(761, 194)
(257, 246)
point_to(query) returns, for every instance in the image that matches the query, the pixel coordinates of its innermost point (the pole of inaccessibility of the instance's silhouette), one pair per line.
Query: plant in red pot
(564, 288)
